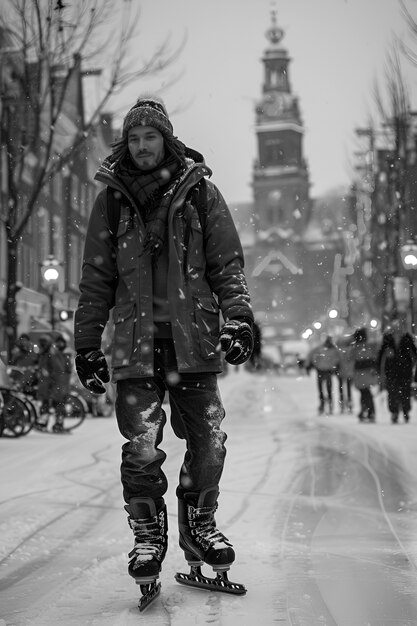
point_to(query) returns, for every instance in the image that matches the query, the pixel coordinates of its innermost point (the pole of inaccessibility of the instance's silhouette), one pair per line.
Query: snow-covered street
(321, 511)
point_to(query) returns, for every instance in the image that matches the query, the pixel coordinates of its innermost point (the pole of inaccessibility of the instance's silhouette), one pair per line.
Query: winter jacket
(323, 358)
(54, 374)
(396, 360)
(205, 276)
(365, 367)
(346, 364)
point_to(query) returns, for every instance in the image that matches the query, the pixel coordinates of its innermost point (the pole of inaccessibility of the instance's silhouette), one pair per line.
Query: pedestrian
(64, 364)
(325, 360)
(396, 360)
(169, 265)
(54, 372)
(365, 372)
(345, 374)
(23, 364)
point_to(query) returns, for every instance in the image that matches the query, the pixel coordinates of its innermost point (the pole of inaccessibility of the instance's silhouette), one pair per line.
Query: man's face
(146, 146)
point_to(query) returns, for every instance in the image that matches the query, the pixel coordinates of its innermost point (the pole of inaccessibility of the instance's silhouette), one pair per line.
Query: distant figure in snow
(325, 360)
(396, 360)
(365, 372)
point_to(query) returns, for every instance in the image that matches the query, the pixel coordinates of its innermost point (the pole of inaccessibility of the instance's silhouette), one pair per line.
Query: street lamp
(409, 260)
(51, 272)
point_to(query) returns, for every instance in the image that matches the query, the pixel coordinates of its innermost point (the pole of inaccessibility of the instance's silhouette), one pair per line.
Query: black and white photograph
(208, 312)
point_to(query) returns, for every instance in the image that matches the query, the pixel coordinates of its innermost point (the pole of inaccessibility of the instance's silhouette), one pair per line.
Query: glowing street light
(52, 276)
(333, 313)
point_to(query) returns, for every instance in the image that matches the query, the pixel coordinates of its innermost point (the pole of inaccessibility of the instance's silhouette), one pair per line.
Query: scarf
(153, 191)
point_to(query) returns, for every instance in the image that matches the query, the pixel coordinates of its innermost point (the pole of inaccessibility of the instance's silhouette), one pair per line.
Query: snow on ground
(321, 511)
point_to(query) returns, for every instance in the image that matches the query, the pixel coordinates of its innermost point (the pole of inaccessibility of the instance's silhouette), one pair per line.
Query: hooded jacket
(205, 277)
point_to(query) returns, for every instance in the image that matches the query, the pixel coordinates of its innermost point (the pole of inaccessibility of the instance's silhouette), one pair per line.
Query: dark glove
(92, 371)
(236, 340)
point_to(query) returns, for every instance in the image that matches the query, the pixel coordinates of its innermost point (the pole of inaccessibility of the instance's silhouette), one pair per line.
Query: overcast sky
(338, 49)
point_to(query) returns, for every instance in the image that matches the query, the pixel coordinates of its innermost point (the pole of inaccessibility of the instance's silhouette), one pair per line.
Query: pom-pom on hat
(149, 110)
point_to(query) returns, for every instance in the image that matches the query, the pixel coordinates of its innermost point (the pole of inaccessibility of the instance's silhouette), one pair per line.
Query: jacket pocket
(206, 312)
(124, 332)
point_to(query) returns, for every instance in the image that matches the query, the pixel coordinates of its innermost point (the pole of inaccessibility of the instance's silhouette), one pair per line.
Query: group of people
(45, 372)
(358, 362)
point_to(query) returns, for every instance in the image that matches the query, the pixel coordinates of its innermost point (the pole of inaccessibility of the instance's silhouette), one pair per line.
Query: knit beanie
(149, 110)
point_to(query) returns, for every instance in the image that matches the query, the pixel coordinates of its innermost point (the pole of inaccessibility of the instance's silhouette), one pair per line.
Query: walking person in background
(54, 373)
(345, 374)
(396, 360)
(23, 362)
(365, 372)
(325, 359)
(168, 266)
(64, 364)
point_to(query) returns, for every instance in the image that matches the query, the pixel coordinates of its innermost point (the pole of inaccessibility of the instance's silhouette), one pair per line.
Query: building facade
(58, 220)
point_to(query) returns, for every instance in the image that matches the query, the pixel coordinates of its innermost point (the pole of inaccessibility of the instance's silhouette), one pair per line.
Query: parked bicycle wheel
(17, 418)
(75, 411)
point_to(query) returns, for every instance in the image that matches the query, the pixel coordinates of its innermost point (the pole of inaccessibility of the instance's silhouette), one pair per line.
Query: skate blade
(149, 593)
(220, 583)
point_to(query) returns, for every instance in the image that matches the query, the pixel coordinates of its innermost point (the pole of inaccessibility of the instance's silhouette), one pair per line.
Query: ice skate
(148, 520)
(203, 543)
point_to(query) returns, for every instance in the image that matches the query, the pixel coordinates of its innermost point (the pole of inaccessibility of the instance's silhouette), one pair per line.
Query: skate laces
(203, 528)
(149, 539)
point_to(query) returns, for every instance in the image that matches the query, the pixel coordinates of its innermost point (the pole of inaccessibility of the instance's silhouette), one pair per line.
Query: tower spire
(274, 34)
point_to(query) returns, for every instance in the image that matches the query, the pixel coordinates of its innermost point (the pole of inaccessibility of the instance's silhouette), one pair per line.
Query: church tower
(281, 198)
(280, 177)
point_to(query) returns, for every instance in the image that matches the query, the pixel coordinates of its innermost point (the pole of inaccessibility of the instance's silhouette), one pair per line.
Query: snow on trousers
(196, 415)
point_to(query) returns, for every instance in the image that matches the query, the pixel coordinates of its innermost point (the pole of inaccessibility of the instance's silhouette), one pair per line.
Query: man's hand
(236, 340)
(92, 370)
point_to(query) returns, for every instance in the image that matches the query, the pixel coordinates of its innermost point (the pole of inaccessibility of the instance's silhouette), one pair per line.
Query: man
(364, 355)
(24, 361)
(325, 360)
(396, 359)
(167, 266)
(54, 373)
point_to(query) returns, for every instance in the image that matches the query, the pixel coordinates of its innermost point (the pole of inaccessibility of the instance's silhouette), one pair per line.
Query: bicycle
(70, 414)
(17, 417)
(26, 411)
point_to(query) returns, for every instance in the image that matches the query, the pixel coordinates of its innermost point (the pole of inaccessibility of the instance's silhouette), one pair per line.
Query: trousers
(399, 394)
(196, 416)
(324, 384)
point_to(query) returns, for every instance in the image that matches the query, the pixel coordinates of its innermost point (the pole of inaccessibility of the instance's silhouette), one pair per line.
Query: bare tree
(42, 44)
